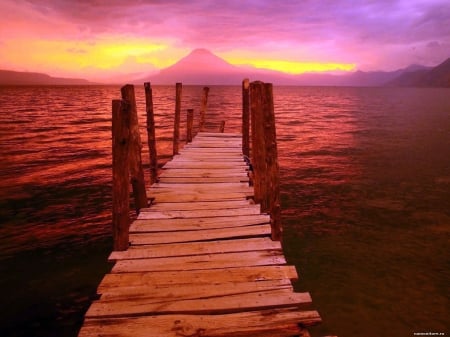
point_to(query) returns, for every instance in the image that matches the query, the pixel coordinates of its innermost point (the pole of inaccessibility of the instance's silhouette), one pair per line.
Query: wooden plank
(224, 150)
(214, 156)
(192, 291)
(276, 322)
(269, 299)
(208, 187)
(204, 235)
(186, 180)
(230, 145)
(163, 225)
(205, 173)
(158, 206)
(182, 278)
(203, 165)
(173, 196)
(148, 213)
(218, 135)
(195, 248)
(197, 262)
(209, 158)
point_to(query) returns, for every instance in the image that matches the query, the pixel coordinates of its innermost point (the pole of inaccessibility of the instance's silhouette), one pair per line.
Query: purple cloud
(368, 32)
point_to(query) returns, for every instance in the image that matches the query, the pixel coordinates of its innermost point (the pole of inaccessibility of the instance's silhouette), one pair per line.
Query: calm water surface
(365, 194)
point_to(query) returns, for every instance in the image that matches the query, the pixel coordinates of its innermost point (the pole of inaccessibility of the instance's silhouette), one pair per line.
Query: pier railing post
(176, 123)
(120, 168)
(272, 168)
(258, 147)
(134, 153)
(151, 133)
(201, 126)
(222, 127)
(265, 155)
(189, 125)
(246, 117)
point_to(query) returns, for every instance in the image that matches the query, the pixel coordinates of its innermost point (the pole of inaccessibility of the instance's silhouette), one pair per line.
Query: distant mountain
(203, 67)
(438, 76)
(8, 77)
(199, 67)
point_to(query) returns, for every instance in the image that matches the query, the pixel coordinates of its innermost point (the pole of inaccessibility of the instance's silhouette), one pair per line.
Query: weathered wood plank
(268, 299)
(196, 248)
(208, 187)
(186, 180)
(193, 236)
(225, 150)
(148, 213)
(163, 225)
(205, 173)
(203, 165)
(277, 322)
(197, 262)
(182, 278)
(192, 291)
(230, 145)
(173, 196)
(189, 155)
(218, 135)
(210, 158)
(158, 206)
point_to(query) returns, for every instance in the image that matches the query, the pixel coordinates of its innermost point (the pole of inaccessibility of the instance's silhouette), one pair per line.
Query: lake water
(365, 176)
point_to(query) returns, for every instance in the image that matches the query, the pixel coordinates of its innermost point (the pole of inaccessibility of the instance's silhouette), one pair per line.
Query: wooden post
(222, 127)
(120, 168)
(151, 133)
(271, 160)
(258, 147)
(245, 118)
(134, 153)
(203, 109)
(190, 125)
(176, 124)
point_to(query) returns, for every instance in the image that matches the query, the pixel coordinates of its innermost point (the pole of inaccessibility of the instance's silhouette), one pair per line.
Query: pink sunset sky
(95, 39)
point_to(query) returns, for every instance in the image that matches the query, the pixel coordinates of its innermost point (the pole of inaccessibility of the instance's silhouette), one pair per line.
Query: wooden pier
(201, 259)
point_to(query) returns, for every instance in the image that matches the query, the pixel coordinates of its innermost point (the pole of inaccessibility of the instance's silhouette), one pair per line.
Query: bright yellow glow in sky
(102, 54)
(292, 67)
(118, 54)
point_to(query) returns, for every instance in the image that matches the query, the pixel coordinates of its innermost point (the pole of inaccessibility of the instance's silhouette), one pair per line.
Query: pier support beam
(120, 168)
(134, 153)
(265, 154)
(190, 125)
(176, 123)
(151, 133)
(201, 126)
(246, 117)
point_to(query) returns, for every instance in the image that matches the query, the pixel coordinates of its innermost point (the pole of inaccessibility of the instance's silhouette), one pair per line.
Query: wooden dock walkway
(201, 260)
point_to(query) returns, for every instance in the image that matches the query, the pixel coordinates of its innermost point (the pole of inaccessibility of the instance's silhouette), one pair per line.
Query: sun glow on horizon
(112, 53)
(296, 68)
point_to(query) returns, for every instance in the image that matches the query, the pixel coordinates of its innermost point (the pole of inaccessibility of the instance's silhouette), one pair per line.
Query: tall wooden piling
(151, 133)
(189, 125)
(246, 117)
(203, 109)
(258, 148)
(265, 154)
(134, 153)
(120, 168)
(176, 123)
(271, 163)
(222, 127)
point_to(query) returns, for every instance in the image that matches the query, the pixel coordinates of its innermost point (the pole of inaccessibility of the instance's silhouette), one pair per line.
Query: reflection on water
(365, 190)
